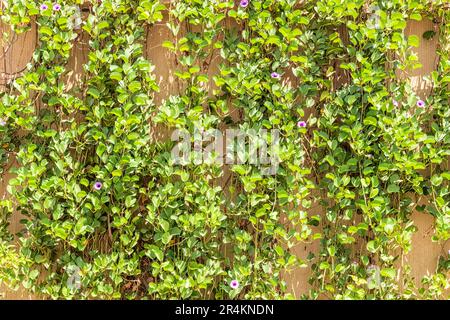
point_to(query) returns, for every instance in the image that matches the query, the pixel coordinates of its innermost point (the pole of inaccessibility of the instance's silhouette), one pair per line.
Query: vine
(110, 213)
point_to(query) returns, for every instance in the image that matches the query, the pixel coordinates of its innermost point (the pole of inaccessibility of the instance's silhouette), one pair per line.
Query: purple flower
(275, 75)
(2, 122)
(395, 102)
(301, 124)
(244, 3)
(44, 7)
(56, 7)
(420, 103)
(234, 284)
(98, 185)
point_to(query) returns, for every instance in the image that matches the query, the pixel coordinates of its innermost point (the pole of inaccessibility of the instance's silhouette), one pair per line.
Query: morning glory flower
(244, 3)
(57, 7)
(2, 122)
(98, 185)
(421, 103)
(395, 102)
(43, 7)
(301, 124)
(275, 75)
(234, 284)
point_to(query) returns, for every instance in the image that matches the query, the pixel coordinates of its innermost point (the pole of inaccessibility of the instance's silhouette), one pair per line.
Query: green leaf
(428, 35)
(194, 69)
(393, 188)
(154, 251)
(168, 44)
(389, 273)
(365, 260)
(117, 173)
(116, 76)
(133, 136)
(122, 97)
(130, 201)
(370, 121)
(134, 86)
(413, 41)
(436, 180)
(34, 274)
(332, 250)
(416, 16)
(125, 239)
(45, 30)
(340, 267)
(84, 182)
(93, 92)
(103, 25)
(166, 237)
(61, 232)
(329, 158)
(279, 250)
(101, 148)
(372, 246)
(324, 265)
(445, 175)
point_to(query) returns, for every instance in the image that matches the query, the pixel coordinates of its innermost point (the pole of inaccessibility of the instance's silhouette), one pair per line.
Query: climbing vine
(109, 213)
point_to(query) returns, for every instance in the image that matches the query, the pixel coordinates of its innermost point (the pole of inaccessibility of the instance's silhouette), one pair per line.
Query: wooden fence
(424, 255)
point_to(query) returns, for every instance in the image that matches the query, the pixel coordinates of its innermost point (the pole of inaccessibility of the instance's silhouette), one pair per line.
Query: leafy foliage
(369, 151)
